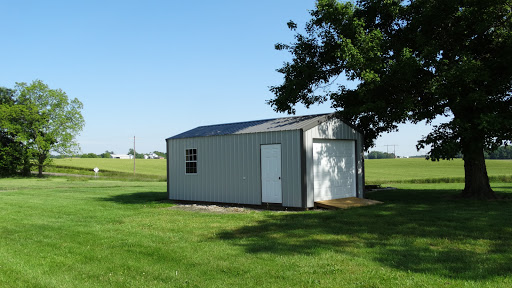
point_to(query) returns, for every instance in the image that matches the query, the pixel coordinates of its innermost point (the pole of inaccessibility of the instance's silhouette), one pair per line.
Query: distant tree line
(503, 152)
(107, 154)
(379, 155)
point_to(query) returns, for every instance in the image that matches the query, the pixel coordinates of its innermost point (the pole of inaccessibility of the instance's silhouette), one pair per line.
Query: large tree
(411, 60)
(44, 120)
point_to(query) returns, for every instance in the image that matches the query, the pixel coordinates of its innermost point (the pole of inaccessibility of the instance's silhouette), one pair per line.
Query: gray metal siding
(224, 161)
(332, 129)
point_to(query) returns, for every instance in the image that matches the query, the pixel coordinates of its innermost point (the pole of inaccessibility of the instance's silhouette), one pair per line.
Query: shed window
(191, 161)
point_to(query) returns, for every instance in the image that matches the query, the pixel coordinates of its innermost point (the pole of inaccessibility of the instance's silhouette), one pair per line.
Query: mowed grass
(378, 171)
(56, 232)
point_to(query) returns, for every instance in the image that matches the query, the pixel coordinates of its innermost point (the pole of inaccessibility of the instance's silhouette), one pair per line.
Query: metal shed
(291, 161)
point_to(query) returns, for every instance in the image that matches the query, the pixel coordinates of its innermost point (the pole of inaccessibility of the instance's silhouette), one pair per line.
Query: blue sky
(153, 69)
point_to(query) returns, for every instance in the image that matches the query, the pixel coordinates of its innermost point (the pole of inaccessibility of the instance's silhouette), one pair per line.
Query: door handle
(279, 177)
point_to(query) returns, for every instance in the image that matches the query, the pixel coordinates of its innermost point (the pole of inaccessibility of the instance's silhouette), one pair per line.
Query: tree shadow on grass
(138, 198)
(419, 231)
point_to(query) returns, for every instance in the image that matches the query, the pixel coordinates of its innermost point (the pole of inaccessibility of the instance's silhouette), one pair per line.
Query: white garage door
(334, 169)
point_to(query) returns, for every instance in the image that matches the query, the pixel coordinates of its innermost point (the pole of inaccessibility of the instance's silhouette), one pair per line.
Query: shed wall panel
(229, 168)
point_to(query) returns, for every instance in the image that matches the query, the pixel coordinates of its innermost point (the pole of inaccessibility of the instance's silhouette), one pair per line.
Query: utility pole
(134, 155)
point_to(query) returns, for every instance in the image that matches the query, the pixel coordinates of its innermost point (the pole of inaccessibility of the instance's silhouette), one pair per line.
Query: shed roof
(257, 126)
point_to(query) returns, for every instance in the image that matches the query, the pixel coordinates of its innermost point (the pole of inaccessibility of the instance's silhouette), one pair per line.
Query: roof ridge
(265, 120)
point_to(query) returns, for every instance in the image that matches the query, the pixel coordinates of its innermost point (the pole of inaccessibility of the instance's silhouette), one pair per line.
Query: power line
(394, 150)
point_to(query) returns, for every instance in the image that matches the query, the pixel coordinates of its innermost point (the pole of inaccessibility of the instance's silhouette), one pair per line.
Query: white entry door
(271, 174)
(334, 169)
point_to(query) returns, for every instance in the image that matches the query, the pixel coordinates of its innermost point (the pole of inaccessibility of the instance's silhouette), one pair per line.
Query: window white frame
(191, 161)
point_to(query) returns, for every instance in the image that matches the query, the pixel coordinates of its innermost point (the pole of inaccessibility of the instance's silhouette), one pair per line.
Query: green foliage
(412, 61)
(90, 155)
(43, 120)
(379, 155)
(107, 154)
(63, 117)
(503, 152)
(14, 156)
(137, 155)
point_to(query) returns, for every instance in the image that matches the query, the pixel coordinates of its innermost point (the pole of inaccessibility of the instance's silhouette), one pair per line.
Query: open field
(145, 169)
(377, 171)
(57, 232)
(424, 171)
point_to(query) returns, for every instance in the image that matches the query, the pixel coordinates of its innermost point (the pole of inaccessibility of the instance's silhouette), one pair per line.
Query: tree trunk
(476, 179)
(40, 168)
(25, 170)
(40, 164)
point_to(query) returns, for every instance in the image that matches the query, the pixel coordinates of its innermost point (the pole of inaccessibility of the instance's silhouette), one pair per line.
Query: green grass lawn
(378, 171)
(56, 232)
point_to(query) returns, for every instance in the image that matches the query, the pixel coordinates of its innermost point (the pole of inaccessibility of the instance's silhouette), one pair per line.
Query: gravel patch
(222, 209)
(212, 208)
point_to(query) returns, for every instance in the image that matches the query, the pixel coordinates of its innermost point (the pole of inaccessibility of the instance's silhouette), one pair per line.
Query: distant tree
(44, 120)
(411, 60)
(90, 155)
(503, 152)
(107, 154)
(380, 155)
(137, 155)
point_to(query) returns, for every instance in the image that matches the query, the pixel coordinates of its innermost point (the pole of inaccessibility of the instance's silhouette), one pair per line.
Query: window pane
(191, 161)
(191, 167)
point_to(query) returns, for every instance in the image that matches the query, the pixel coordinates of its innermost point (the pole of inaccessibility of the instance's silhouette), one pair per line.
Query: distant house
(292, 162)
(121, 156)
(152, 156)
